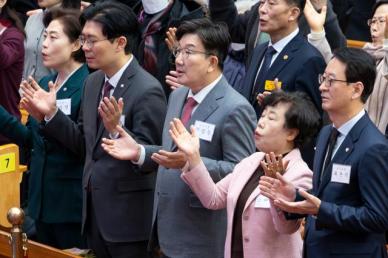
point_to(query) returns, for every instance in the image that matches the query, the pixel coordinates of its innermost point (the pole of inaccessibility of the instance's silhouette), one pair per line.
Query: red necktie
(106, 90)
(187, 110)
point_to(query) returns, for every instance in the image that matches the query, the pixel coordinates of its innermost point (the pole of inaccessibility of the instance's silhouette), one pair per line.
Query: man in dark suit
(287, 56)
(117, 203)
(224, 120)
(348, 203)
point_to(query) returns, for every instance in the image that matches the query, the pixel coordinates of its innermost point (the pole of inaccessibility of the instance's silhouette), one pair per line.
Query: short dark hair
(301, 114)
(377, 5)
(74, 4)
(116, 19)
(69, 18)
(214, 36)
(360, 67)
(298, 3)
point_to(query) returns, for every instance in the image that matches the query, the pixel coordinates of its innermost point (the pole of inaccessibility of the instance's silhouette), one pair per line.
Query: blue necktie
(259, 83)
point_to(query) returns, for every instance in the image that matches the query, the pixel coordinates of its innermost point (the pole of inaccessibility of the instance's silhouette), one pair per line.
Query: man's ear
(294, 14)
(121, 43)
(358, 89)
(213, 63)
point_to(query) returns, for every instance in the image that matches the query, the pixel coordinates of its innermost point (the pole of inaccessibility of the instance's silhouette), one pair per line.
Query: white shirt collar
(278, 46)
(114, 80)
(201, 95)
(346, 127)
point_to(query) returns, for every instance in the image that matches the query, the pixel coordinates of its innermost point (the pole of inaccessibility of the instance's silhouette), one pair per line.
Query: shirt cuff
(48, 119)
(316, 35)
(140, 162)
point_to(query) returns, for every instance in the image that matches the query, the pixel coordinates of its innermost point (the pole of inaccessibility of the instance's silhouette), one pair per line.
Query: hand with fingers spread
(168, 159)
(315, 19)
(110, 111)
(123, 148)
(186, 142)
(277, 188)
(171, 38)
(172, 80)
(273, 164)
(36, 100)
(310, 205)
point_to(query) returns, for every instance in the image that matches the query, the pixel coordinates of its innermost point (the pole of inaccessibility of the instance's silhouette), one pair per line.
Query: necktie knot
(188, 110)
(270, 51)
(106, 90)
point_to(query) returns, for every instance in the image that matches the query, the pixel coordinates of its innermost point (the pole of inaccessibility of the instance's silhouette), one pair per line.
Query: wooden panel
(355, 43)
(35, 250)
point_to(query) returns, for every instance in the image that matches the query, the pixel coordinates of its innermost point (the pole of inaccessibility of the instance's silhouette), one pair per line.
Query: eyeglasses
(89, 42)
(186, 52)
(328, 81)
(376, 20)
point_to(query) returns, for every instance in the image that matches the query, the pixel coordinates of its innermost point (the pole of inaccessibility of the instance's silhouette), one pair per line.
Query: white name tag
(262, 202)
(64, 105)
(341, 173)
(204, 130)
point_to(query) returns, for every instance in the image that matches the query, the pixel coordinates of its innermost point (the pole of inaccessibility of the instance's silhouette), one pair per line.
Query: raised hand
(124, 147)
(37, 100)
(172, 80)
(171, 39)
(277, 188)
(168, 159)
(274, 164)
(110, 111)
(186, 142)
(315, 19)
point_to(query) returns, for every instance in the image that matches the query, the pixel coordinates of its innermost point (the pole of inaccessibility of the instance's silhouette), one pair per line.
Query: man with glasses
(224, 122)
(287, 57)
(348, 205)
(117, 203)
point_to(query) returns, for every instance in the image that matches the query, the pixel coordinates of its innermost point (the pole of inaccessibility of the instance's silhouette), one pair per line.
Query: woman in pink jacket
(255, 228)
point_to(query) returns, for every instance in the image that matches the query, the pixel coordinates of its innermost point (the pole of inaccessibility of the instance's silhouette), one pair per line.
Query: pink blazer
(266, 232)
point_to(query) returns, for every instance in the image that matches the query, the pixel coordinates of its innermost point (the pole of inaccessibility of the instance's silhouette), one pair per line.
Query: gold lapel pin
(285, 57)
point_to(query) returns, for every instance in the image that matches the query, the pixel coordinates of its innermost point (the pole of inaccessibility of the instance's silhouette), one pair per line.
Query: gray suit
(121, 197)
(183, 226)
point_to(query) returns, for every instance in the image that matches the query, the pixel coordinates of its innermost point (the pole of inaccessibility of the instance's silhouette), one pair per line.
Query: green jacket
(55, 188)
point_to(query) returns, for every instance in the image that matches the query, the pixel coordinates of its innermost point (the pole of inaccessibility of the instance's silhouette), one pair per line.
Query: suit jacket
(244, 28)
(184, 228)
(266, 232)
(55, 192)
(297, 67)
(116, 189)
(352, 217)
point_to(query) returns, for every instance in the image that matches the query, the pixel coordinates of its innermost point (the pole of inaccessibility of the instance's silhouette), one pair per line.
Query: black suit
(121, 198)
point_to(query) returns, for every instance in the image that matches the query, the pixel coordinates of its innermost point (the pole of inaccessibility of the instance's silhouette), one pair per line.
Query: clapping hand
(261, 96)
(110, 111)
(171, 38)
(186, 142)
(314, 18)
(274, 164)
(124, 147)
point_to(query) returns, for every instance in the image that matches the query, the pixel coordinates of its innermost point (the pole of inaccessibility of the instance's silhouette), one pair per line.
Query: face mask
(154, 6)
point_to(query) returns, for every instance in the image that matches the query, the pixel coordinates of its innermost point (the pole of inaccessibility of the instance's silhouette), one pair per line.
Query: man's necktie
(329, 149)
(259, 83)
(188, 109)
(106, 89)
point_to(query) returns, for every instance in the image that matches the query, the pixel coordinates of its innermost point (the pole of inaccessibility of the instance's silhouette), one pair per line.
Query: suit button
(246, 240)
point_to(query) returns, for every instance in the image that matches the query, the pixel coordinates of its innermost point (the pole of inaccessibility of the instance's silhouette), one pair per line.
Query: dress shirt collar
(346, 127)
(201, 95)
(281, 44)
(114, 80)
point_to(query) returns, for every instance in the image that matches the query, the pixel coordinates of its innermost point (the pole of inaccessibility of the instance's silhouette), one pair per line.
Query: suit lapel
(72, 84)
(344, 151)
(120, 89)
(320, 156)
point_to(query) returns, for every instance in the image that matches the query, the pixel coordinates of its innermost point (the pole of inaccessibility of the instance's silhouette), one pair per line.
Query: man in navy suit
(287, 56)
(348, 205)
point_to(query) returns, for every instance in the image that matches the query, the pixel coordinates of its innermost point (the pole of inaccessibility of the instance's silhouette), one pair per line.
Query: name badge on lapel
(262, 202)
(204, 130)
(341, 173)
(64, 105)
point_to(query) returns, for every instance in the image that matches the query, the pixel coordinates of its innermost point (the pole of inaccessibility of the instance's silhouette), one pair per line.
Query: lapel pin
(347, 149)
(315, 147)
(285, 57)
(122, 85)
(65, 89)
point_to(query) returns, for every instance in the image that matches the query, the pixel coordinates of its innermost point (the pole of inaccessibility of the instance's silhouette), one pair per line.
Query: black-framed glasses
(187, 52)
(376, 20)
(89, 42)
(328, 81)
